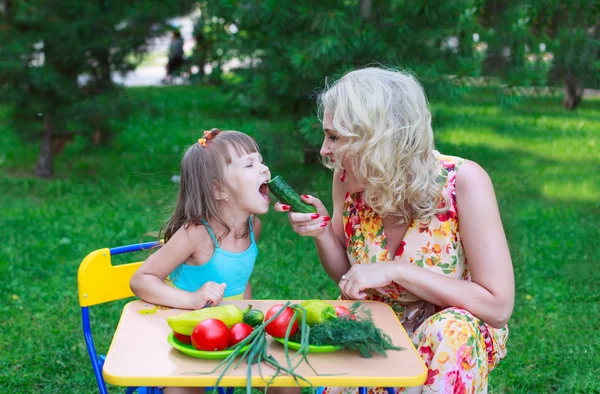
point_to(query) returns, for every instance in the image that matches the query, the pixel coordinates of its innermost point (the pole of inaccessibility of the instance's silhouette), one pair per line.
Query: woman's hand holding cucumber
(307, 214)
(307, 224)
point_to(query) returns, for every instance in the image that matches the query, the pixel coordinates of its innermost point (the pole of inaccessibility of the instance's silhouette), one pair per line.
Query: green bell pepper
(318, 311)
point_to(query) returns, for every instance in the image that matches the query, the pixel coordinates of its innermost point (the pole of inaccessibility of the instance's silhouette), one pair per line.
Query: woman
(413, 228)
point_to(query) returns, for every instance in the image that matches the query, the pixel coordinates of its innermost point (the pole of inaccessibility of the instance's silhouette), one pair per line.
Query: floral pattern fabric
(458, 349)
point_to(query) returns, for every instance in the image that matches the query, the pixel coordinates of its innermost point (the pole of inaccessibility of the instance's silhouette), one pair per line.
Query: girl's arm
(490, 293)
(148, 282)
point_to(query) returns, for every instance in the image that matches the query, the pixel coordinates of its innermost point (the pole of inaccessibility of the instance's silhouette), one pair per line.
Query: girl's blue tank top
(231, 268)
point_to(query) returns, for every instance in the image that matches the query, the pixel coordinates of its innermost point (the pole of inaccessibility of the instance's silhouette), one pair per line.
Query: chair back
(99, 281)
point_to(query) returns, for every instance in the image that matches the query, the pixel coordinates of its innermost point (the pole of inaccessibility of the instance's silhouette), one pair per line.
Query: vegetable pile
(212, 329)
(312, 322)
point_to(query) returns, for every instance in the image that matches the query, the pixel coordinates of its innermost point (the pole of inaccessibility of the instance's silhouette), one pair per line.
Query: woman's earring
(226, 199)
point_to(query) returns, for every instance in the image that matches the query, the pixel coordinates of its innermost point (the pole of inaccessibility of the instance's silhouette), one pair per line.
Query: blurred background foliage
(58, 55)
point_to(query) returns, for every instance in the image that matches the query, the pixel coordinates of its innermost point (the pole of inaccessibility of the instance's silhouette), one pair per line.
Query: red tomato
(344, 313)
(279, 326)
(210, 334)
(239, 332)
(182, 338)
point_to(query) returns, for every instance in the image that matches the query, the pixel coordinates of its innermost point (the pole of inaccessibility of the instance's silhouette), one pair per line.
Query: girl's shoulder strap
(211, 233)
(250, 229)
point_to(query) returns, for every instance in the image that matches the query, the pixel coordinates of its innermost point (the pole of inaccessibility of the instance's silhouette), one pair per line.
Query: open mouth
(264, 190)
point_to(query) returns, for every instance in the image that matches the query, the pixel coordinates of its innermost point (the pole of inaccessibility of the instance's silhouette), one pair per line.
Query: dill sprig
(361, 334)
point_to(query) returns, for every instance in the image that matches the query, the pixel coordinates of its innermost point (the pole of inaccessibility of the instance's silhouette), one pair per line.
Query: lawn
(544, 163)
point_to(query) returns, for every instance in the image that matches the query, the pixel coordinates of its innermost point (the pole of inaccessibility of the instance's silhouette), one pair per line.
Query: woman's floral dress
(458, 348)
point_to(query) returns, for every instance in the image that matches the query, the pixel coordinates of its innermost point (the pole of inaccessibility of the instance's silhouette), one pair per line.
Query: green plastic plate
(311, 348)
(188, 349)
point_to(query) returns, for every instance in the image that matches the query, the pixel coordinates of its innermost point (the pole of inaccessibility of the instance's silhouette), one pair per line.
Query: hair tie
(208, 135)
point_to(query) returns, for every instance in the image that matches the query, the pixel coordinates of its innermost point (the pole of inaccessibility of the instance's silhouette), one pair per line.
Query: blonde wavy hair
(385, 115)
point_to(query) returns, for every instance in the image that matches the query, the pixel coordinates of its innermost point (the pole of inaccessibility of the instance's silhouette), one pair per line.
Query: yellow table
(141, 356)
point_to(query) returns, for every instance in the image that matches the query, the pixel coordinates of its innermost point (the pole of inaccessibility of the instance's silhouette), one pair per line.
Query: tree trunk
(43, 168)
(104, 77)
(573, 91)
(366, 9)
(8, 10)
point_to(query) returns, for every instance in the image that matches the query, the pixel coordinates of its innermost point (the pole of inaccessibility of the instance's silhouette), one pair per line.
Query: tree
(571, 32)
(208, 30)
(57, 57)
(522, 36)
(288, 48)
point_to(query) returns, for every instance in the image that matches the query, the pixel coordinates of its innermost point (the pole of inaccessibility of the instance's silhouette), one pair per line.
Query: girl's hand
(210, 292)
(361, 277)
(307, 224)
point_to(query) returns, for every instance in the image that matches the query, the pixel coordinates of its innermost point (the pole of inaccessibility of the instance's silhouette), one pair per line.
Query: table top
(140, 355)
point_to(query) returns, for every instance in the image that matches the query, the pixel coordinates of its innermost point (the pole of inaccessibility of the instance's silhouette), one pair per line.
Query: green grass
(543, 161)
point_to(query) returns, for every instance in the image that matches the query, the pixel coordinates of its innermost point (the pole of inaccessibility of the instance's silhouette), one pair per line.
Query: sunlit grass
(543, 162)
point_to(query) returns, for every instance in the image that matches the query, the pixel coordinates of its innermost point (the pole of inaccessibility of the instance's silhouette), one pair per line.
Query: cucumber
(254, 317)
(287, 195)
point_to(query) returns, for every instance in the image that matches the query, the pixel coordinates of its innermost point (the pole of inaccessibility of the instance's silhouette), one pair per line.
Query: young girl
(210, 241)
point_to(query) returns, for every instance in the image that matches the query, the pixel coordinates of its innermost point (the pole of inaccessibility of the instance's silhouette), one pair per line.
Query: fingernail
(326, 218)
(314, 216)
(323, 224)
(305, 195)
(285, 207)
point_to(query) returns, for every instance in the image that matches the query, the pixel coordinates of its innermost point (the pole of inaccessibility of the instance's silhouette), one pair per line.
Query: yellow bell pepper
(186, 322)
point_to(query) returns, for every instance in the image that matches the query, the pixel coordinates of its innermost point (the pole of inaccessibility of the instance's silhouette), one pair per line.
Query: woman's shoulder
(471, 176)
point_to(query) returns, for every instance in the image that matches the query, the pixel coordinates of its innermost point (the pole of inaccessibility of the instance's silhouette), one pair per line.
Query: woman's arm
(490, 294)
(148, 282)
(327, 233)
(331, 243)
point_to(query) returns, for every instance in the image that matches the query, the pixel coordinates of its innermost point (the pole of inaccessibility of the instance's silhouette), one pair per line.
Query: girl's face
(331, 143)
(247, 177)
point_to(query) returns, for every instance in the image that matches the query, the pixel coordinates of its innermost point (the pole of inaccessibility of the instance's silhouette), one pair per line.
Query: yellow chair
(100, 282)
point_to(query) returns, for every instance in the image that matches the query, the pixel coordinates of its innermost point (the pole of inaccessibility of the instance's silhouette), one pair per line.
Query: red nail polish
(285, 207)
(305, 195)
(314, 216)
(326, 218)
(323, 224)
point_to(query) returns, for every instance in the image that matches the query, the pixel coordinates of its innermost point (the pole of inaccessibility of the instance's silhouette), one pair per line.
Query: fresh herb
(360, 334)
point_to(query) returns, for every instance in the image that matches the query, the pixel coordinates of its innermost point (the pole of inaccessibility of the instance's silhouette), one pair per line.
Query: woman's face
(333, 141)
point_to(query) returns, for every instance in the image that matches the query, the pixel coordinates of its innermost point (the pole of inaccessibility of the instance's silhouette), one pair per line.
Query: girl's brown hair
(203, 172)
